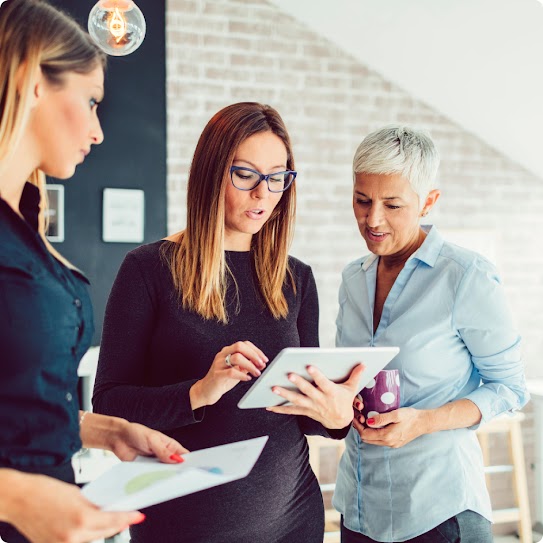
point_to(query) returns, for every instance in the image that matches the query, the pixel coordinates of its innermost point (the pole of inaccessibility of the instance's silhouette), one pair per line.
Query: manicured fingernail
(310, 369)
(139, 520)
(371, 421)
(358, 405)
(177, 458)
(275, 391)
(291, 377)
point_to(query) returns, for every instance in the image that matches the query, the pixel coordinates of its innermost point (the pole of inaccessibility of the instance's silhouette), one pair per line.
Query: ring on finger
(227, 361)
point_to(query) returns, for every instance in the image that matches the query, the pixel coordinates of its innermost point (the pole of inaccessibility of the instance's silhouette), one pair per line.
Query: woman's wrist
(197, 398)
(15, 486)
(427, 419)
(101, 431)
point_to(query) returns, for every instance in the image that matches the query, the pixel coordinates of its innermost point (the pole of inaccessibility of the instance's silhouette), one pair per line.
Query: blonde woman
(51, 81)
(192, 321)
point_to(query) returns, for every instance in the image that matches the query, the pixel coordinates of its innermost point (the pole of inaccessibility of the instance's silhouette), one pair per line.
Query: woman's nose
(97, 135)
(374, 216)
(261, 190)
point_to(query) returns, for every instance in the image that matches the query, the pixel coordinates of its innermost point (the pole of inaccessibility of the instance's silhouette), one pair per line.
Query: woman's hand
(45, 510)
(394, 429)
(233, 364)
(329, 403)
(126, 439)
(131, 440)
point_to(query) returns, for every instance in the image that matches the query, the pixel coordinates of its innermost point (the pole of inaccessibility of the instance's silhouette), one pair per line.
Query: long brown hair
(197, 261)
(34, 34)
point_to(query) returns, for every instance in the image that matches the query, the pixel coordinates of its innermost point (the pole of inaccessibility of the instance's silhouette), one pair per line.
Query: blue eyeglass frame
(262, 177)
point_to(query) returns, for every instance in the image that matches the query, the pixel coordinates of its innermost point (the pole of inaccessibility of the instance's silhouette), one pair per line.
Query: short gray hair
(399, 149)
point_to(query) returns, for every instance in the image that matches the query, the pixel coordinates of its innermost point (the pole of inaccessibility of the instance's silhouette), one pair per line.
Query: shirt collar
(431, 246)
(29, 205)
(427, 252)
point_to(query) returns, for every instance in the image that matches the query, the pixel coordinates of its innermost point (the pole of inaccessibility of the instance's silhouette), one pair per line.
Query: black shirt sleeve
(119, 388)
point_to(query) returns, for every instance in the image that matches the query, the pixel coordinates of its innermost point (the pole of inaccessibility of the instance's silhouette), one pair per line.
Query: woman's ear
(431, 199)
(36, 82)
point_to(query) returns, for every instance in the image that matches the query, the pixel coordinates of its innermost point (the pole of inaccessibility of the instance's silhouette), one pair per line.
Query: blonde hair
(35, 35)
(197, 260)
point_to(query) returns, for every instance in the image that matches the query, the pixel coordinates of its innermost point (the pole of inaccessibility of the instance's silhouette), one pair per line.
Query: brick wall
(224, 51)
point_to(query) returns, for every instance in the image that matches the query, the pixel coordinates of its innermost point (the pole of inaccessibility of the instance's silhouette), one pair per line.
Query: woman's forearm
(100, 431)
(14, 485)
(451, 416)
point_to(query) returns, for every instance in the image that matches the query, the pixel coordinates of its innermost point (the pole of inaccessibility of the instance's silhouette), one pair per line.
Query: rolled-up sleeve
(483, 320)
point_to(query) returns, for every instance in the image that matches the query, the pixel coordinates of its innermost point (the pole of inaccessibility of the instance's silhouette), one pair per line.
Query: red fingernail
(358, 405)
(139, 520)
(371, 421)
(177, 458)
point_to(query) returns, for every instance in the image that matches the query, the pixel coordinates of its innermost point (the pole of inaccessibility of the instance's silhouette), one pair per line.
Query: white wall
(479, 62)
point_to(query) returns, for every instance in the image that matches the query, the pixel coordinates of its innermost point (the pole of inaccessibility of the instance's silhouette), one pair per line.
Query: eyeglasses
(247, 179)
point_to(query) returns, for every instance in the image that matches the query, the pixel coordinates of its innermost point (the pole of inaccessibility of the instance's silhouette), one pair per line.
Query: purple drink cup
(381, 394)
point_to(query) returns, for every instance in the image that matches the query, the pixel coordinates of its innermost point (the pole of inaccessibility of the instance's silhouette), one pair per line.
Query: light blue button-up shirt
(447, 313)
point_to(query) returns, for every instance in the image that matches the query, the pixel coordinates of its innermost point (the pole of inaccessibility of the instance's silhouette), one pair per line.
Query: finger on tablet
(304, 386)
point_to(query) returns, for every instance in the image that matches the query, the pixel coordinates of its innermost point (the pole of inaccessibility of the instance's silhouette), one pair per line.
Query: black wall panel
(133, 154)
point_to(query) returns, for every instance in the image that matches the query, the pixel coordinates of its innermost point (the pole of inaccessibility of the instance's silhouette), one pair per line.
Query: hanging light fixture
(117, 26)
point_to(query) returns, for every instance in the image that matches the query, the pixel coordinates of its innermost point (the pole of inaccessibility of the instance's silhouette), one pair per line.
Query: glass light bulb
(117, 26)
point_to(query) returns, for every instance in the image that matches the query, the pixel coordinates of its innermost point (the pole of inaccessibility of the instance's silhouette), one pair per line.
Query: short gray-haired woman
(416, 473)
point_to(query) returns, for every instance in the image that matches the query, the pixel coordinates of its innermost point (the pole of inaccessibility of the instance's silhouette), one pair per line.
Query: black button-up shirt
(46, 326)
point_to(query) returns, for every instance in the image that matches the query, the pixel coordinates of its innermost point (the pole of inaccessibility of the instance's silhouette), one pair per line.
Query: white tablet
(336, 364)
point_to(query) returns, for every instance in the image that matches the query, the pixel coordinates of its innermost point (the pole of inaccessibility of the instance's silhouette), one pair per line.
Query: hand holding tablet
(335, 364)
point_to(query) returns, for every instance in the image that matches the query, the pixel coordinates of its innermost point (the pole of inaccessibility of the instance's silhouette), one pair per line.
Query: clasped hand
(327, 402)
(394, 429)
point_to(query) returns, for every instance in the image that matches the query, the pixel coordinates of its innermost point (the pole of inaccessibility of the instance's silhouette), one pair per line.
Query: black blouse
(46, 326)
(153, 351)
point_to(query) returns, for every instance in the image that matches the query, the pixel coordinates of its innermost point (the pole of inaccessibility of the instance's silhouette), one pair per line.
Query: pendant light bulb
(117, 26)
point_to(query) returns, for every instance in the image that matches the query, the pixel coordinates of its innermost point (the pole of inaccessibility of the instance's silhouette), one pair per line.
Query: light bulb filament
(117, 25)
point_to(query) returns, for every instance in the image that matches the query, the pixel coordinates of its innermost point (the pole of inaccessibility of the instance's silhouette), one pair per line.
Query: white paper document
(129, 486)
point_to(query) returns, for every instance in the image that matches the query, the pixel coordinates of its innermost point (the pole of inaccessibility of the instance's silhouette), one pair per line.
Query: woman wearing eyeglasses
(192, 321)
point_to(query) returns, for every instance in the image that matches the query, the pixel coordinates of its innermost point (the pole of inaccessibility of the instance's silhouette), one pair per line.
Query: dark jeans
(466, 527)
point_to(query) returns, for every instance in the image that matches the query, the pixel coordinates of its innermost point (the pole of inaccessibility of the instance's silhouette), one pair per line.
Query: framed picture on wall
(123, 215)
(55, 213)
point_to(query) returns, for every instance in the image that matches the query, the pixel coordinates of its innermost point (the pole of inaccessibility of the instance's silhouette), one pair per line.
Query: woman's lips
(376, 236)
(255, 214)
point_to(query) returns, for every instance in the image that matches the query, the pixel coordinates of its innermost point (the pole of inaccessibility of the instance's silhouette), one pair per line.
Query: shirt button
(68, 397)
(77, 302)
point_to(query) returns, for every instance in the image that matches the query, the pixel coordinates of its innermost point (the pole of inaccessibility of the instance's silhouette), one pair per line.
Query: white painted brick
(224, 51)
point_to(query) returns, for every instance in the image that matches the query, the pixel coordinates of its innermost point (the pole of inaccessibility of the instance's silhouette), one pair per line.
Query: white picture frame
(123, 215)
(55, 213)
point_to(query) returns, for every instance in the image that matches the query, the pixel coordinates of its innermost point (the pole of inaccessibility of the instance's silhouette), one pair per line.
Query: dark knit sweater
(153, 351)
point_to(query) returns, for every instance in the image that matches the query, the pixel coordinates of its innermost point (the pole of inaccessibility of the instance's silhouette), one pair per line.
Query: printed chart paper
(129, 486)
